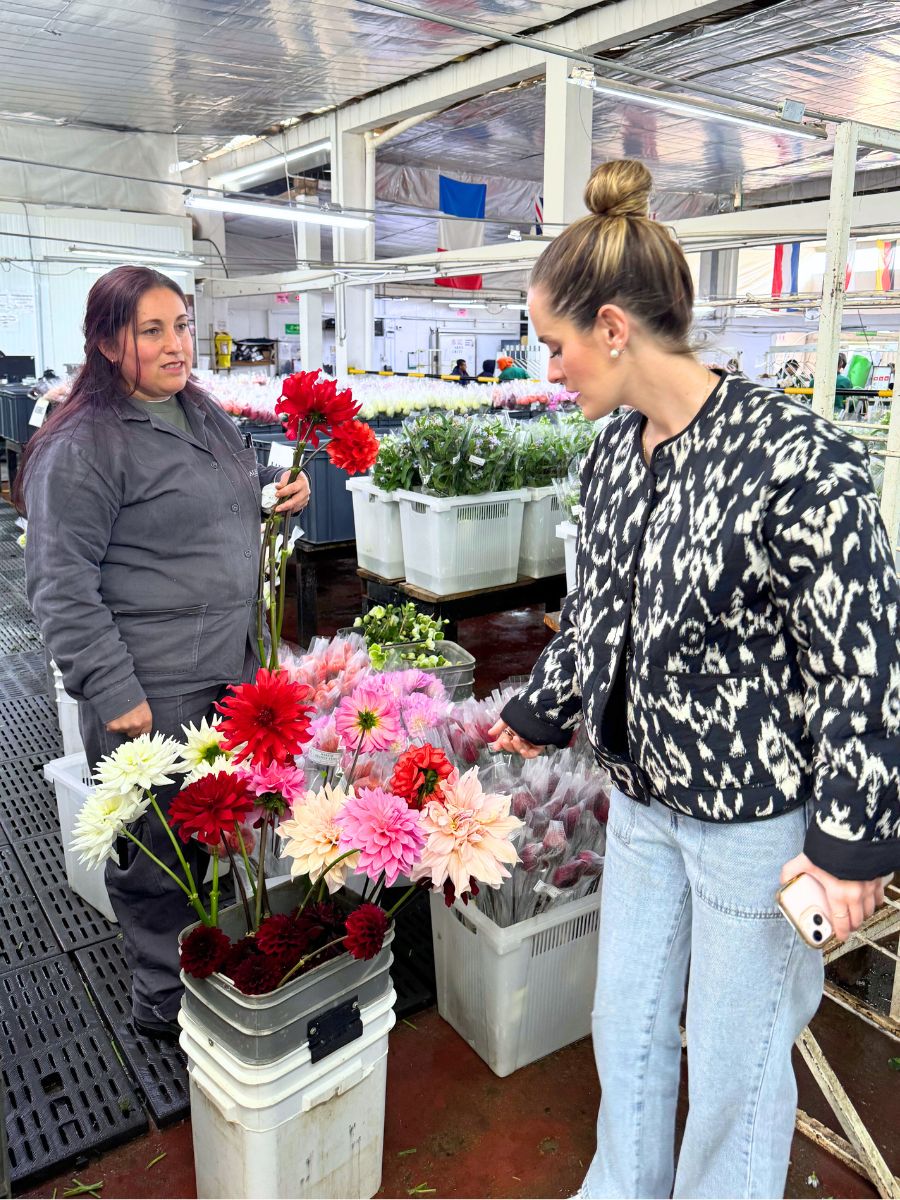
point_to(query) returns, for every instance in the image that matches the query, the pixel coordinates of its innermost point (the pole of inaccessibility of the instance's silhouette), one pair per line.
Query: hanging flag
(884, 271)
(795, 269)
(466, 202)
(848, 274)
(777, 268)
(539, 215)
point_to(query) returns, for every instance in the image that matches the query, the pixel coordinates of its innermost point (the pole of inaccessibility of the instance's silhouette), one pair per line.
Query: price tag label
(281, 455)
(476, 461)
(39, 413)
(325, 758)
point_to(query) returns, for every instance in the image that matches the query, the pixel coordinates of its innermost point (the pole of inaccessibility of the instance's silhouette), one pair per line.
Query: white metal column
(309, 249)
(568, 111)
(837, 243)
(354, 306)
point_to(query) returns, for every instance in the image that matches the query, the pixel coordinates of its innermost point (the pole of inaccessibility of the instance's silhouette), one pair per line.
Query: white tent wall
(45, 288)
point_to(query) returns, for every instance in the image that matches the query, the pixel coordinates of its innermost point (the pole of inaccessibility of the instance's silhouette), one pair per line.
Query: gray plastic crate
(16, 405)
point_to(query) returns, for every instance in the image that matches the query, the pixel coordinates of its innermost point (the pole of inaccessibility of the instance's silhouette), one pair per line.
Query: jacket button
(235, 507)
(215, 466)
(247, 554)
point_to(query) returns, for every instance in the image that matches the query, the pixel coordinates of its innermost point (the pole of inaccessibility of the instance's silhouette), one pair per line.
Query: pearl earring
(614, 353)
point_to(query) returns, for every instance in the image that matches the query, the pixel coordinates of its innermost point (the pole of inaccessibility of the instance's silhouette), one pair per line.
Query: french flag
(778, 270)
(466, 202)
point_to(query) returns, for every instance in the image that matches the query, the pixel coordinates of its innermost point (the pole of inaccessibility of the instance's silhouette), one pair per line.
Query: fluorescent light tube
(274, 212)
(699, 109)
(252, 170)
(138, 257)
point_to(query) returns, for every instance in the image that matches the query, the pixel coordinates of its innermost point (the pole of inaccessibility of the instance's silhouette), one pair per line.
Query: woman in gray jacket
(732, 646)
(142, 558)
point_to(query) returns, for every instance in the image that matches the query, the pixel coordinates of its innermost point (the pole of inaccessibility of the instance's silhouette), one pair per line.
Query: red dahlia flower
(418, 775)
(366, 927)
(239, 952)
(353, 448)
(314, 404)
(268, 719)
(282, 936)
(211, 806)
(259, 974)
(204, 950)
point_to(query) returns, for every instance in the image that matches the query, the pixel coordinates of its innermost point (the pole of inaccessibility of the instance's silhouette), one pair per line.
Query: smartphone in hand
(804, 903)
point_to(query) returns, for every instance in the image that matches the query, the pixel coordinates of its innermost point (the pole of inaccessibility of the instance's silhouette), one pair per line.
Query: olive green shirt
(170, 410)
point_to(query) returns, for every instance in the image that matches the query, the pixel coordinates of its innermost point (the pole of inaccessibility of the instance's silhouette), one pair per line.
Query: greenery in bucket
(395, 467)
(439, 442)
(488, 454)
(386, 625)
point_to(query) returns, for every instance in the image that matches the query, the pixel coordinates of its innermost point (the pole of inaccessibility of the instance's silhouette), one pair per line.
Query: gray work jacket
(142, 554)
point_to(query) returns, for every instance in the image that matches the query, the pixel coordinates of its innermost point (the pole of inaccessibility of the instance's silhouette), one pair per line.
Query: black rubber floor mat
(25, 934)
(23, 675)
(66, 1093)
(29, 726)
(27, 800)
(16, 636)
(413, 968)
(74, 922)
(158, 1067)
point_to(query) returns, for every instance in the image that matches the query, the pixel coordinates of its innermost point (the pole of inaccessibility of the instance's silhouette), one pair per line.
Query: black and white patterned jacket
(733, 638)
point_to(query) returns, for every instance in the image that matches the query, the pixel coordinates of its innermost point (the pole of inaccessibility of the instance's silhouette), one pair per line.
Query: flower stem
(214, 893)
(260, 597)
(260, 882)
(403, 899)
(349, 776)
(303, 961)
(192, 896)
(328, 867)
(273, 568)
(194, 892)
(247, 866)
(238, 882)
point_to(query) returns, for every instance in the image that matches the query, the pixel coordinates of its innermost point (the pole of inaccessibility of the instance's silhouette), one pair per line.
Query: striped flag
(848, 274)
(778, 271)
(884, 271)
(539, 215)
(466, 202)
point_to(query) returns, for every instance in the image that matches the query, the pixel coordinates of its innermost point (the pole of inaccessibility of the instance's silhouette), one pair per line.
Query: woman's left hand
(292, 496)
(850, 902)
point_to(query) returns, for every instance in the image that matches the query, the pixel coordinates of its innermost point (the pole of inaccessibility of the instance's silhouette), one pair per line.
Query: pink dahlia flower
(275, 778)
(384, 830)
(368, 715)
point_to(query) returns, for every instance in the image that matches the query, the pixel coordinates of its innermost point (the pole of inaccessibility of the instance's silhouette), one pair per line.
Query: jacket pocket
(162, 641)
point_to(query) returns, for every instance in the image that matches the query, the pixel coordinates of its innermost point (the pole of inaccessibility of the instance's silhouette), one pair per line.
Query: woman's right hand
(132, 724)
(504, 738)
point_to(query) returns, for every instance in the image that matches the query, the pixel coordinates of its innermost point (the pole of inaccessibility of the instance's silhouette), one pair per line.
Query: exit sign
(294, 329)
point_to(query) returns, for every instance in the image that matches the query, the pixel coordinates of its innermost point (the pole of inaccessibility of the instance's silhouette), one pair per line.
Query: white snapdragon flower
(146, 762)
(269, 497)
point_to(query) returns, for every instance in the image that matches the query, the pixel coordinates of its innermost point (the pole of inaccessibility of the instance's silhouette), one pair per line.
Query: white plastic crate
(461, 543)
(376, 517)
(569, 534)
(71, 780)
(516, 994)
(541, 553)
(67, 715)
(293, 1128)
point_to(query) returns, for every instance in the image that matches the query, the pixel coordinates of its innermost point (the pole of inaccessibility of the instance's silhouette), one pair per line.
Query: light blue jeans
(678, 892)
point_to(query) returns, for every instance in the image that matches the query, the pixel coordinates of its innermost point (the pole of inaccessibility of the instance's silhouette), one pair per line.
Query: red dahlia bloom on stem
(259, 974)
(353, 448)
(211, 806)
(282, 936)
(268, 719)
(314, 404)
(366, 927)
(204, 951)
(418, 774)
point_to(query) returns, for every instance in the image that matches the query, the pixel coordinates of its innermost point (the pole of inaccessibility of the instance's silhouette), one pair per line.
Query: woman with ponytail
(731, 644)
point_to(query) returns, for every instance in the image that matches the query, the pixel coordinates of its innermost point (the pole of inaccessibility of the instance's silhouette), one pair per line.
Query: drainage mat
(15, 635)
(25, 935)
(74, 922)
(157, 1066)
(29, 726)
(67, 1096)
(23, 675)
(27, 800)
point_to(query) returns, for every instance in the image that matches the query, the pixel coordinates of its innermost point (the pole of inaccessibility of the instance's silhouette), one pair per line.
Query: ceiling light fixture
(274, 212)
(257, 170)
(583, 76)
(137, 257)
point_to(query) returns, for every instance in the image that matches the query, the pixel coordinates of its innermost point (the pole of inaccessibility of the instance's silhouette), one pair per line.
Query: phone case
(804, 903)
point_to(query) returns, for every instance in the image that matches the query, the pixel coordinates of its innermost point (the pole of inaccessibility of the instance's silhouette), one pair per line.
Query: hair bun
(619, 189)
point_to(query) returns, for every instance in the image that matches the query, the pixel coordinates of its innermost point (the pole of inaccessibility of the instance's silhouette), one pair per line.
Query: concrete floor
(453, 1129)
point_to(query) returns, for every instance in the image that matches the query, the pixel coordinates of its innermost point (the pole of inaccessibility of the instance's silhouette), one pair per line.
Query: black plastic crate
(23, 675)
(74, 922)
(158, 1067)
(67, 1095)
(25, 933)
(27, 800)
(29, 727)
(412, 971)
(16, 406)
(329, 515)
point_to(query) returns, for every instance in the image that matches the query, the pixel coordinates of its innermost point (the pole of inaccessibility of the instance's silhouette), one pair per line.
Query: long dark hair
(112, 306)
